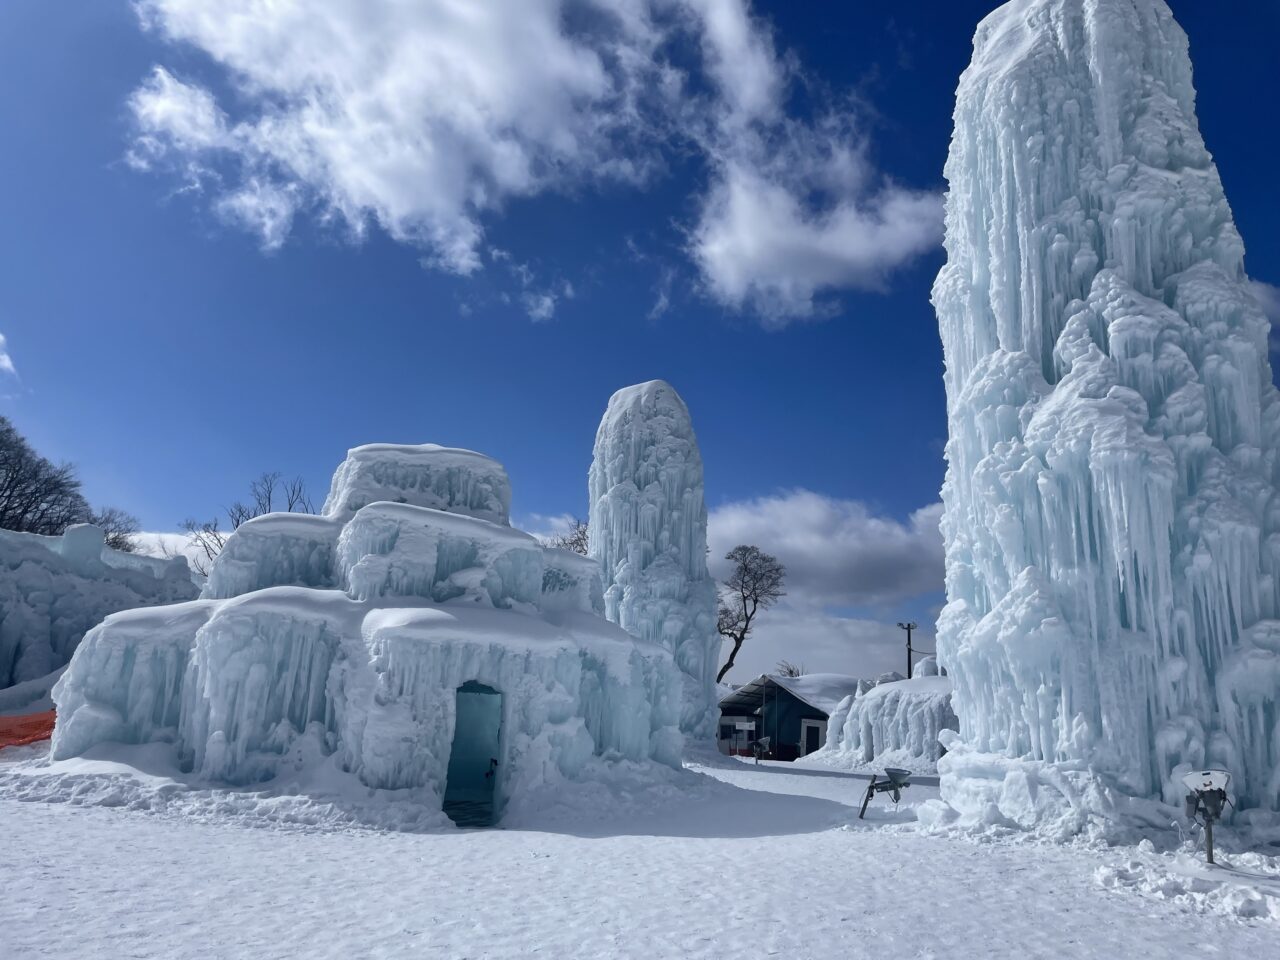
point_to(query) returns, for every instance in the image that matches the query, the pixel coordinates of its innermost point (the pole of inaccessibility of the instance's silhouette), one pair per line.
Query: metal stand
(896, 780)
(1207, 797)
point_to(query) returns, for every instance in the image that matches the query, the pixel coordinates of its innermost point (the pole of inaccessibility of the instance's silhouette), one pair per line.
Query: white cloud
(838, 553)
(6, 361)
(546, 526)
(165, 543)
(794, 209)
(757, 245)
(263, 208)
(539, 306)
(1269, 299)
(824, 643)
(840, 556)
(1268, 295)
(419, 116)
(172, 115)
(426, 117)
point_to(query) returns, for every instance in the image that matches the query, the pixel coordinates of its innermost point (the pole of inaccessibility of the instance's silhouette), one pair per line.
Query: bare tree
(206, 536)
(118, 527)
(576, 538)
(38, 496)
(267, 493)
(785, 668)
(296, 498)
(754, 585)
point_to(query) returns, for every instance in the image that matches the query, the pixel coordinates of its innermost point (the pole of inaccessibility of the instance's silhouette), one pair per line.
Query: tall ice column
(648, 527)
(1111, 520)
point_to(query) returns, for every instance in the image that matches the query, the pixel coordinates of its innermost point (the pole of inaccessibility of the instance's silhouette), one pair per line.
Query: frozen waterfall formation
(892, 722)
(648, 527)
(54, 589)
(1112, 523)
(343, 639)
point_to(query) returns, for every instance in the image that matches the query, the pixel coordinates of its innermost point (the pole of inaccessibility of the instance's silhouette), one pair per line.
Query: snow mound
(1112, 539)
(894, 724)
(53, 589)
(342, 642)
(425, 475)
(1240, 886)
(648, 525)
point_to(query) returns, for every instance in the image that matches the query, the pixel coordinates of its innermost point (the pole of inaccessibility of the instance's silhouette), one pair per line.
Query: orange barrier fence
(28, 728)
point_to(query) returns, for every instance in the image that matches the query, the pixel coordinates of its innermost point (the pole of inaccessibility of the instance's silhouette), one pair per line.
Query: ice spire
(649, 533)
(1111, 520)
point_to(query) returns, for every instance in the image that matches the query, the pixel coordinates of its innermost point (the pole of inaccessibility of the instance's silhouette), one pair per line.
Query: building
(792, 712)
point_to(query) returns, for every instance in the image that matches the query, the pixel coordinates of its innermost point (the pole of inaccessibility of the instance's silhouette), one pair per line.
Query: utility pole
(908, 627)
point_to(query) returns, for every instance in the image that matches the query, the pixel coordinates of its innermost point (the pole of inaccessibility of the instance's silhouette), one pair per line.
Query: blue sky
(235, 246)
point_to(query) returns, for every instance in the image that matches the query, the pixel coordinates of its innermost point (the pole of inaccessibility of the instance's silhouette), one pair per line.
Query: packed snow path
(764, 871)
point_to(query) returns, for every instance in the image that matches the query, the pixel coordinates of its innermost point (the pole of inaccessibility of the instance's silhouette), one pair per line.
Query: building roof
(822, 691)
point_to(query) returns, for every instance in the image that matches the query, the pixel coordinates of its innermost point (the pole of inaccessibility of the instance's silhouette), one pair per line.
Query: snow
(426, 475)
(821, 690)
(30, 696)
(327, 652)
(53, 589)
(675, 871)
(648, 523)
(1112, 545)
(273, 550)
(891, 724)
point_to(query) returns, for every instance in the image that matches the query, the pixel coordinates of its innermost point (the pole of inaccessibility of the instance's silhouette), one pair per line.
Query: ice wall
(649, 534)
(342, 640)
(53, 589)
(1111, 521)
(896, 723)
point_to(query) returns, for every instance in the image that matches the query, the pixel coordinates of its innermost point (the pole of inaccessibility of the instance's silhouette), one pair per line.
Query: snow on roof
(822, 691)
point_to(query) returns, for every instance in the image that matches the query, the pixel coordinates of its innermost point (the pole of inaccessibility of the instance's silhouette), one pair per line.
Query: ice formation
(894, 723)
(458, 481)
(648, 528)
(53, 589)
(344, 638)
(1111, 521)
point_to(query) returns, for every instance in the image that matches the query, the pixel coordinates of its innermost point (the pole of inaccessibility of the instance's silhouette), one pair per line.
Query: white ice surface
(1111, 524)
(426, 475)
(331, 648)
(53, 589)
(893, 724)
(649, 535)
(671, 871)
(30, 696)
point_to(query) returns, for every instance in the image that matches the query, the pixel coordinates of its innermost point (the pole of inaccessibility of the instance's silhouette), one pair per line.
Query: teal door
(474, 756)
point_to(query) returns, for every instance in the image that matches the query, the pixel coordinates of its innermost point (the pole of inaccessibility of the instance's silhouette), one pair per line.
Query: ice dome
(421, 645)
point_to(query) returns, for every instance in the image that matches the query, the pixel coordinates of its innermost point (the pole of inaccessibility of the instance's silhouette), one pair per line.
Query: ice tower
(649, 533)
(1111, 521)
(353, 640)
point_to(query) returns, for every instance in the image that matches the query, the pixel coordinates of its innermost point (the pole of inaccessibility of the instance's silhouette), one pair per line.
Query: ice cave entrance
(473, 759)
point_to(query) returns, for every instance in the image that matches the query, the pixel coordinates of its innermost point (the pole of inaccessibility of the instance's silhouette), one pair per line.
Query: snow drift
(1111, 521)
(53, 589)
(343, 639)
(648, 526)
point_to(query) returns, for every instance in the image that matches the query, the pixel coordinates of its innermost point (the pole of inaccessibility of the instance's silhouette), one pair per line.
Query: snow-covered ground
(760, 861)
